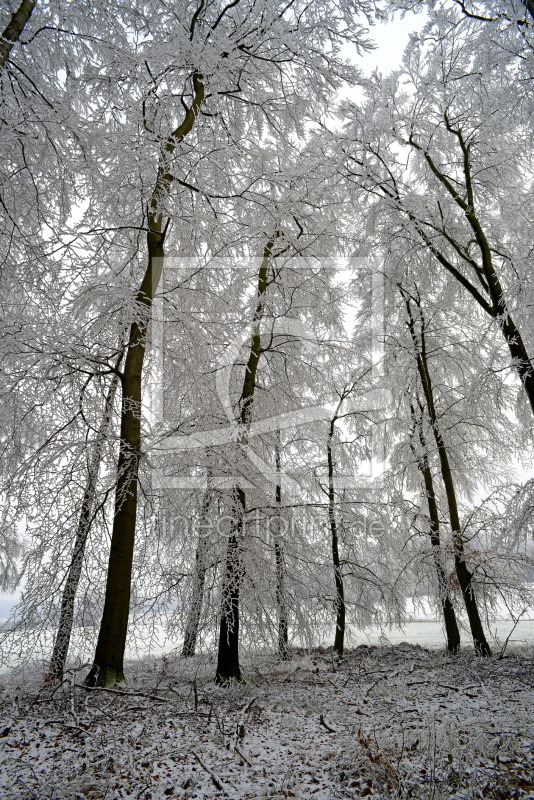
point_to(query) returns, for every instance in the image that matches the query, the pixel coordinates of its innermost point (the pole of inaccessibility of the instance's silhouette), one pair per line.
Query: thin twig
(240, 754)
(325, 725)
(240, 727)
(516, 622)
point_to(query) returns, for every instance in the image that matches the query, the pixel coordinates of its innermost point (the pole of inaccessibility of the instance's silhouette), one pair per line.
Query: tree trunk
(228, 667)
(228, 657)
(519, 354)
(449, 616)
(283, 633)
(66, 618)
(14, 28)
(109, 656)
(199, 580)
(465, 577)
(339, 603)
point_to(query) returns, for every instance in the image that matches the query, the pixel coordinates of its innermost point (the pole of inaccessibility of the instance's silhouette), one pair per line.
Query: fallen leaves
(293, 735)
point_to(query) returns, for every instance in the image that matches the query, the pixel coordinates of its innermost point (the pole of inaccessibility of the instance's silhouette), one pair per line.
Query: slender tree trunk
(66, 617)
(449, 616)
(109, 656)
(465, 577)
(283, 632)
(14, 28)
(199, 580)
(339, 603)
(228, 656)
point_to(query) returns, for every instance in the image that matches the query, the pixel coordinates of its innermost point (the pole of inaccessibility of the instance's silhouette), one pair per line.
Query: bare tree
(87, 512)
(281, 600)
(109, 654)
(228, 667)
(199, 576)
(464, 575)
(449, 617)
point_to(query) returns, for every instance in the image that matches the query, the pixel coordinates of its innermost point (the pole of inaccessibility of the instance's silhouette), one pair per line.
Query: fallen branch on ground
(214, 777)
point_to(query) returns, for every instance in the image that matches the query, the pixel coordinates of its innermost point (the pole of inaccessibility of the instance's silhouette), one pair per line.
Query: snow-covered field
(385, 722)
(152, 640)
(429, 633)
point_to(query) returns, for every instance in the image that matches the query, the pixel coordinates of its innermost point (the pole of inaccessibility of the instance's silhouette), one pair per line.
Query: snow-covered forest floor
(388, 722)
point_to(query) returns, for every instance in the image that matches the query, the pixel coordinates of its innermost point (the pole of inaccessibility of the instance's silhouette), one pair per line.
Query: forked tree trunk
(451, 626)
(109, 656)
(228, 668)
(339, 602)
(199, 580)
(66, 617)
(464, 575)
(14, 28)
(283, 632)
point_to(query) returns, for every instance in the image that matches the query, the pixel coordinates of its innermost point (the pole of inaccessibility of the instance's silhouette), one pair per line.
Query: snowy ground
(389, 722)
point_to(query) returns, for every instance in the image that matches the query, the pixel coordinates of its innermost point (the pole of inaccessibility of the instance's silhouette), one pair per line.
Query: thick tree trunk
(228, 657)
(109, 656)
(283, 632)
(228, 667)
(465, 577)
(451, 626)
(14, 28)
(498, 309)
(66, 618)
(339, 602)
(199, 580)
(520, 357)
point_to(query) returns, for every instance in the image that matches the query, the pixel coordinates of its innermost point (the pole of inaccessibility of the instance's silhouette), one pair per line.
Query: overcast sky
(391, 38)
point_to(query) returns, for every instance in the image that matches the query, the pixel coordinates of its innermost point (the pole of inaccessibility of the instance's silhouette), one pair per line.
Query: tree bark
(451, 626)
(283, 632)
(199, 580)
(66, 617)
(15, 26)
(339, 602)
(465, 577)
(109, 656)
(228, 668)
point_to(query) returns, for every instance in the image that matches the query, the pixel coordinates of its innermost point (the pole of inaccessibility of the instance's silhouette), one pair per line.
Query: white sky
(391, 38)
